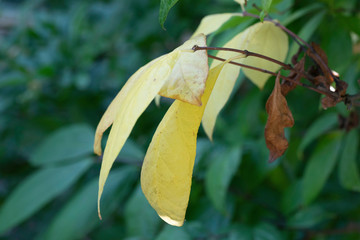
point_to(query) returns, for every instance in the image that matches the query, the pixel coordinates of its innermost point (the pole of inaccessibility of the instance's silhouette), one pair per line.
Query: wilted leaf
(165, 6)
(167, 169)
(279, 118)
(146, 83)
(223, 87)
(37, 190)
(266, 39)
(319, 56)
(287, 86)
(180, 67)
(348, 169)
(320, 166)
(327, 101)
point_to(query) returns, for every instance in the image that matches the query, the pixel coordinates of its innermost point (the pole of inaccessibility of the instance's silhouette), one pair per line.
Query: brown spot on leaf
(279, 117)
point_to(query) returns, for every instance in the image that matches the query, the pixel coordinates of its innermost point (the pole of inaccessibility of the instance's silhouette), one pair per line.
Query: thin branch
(293, 35)
(297, 39)
(329, 94)
(246, 53)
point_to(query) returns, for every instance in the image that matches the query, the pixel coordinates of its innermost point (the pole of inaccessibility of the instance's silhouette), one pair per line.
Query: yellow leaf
(110, 113)
(137, 94)
(242, 3)
(213, 22)
(223, 86)
(167, 169)
(269, 40)
(188, 76)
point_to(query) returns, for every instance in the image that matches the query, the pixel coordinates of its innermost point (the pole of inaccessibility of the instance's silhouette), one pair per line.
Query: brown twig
(297, 39)
(285, 66)
(246, 53)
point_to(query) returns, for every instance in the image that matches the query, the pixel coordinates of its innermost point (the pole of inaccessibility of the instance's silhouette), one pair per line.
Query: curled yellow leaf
(140, 90)
(168, 165)
(188, 76)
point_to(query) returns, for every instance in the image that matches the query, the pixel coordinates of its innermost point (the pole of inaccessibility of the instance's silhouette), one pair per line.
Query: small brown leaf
(287, 86)
(279, 118)
(340, 91)
(319, 56)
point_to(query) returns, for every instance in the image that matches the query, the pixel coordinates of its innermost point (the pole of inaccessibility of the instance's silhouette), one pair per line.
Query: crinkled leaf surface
(188, 76)
(167, 169)
(279, 118)
(266, 39)
(141, 89)
(223, 87)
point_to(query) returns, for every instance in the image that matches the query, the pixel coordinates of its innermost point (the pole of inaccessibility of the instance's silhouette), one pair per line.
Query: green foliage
(165, 6)
(63, 62)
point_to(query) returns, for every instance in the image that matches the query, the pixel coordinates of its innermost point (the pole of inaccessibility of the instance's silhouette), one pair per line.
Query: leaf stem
(246, 53)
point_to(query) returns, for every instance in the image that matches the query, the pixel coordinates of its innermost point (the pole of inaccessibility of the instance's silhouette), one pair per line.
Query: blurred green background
(61, 64)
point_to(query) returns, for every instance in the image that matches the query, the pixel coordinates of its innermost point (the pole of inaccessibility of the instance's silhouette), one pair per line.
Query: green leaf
(265, 231)
(320, 166)
(219, 175)
(140, 218)
(291, 198)
(165, 6)
(308, 217)
(37, 190)
(348, 170)
(66, 143)
(174, 233)
(79, 216)
(266, 4)
(301, 12)
(319, 127)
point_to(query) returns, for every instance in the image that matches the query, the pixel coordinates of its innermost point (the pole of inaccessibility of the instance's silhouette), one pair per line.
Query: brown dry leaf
(341, 88)
(319, 56)
(279, 118)
(287, 86)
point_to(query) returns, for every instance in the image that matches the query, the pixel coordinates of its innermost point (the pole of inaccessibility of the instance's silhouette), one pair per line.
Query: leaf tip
(171, 221)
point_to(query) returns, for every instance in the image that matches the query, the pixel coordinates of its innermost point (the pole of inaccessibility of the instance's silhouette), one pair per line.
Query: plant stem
(329, 94)
(246, 53)
(297, 39)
